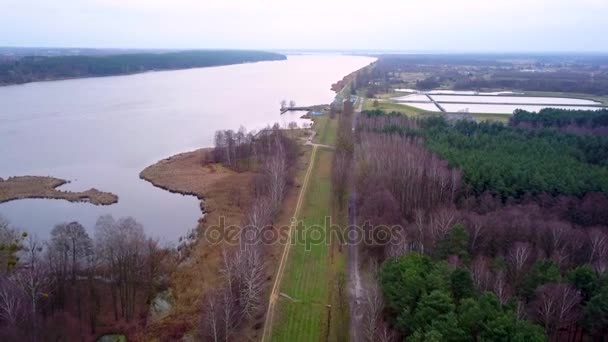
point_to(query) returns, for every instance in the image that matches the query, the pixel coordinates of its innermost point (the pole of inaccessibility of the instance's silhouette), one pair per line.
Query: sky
(407, 25)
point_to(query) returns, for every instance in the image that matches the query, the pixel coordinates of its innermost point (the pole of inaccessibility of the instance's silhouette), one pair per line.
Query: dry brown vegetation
(15, 188)
(186, 173)
(227, 194)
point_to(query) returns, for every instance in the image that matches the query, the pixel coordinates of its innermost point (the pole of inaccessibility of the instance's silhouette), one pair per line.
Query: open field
(15, 188)
(388, 106)
(307, 280)
(326, 129)
(492, 117)
(311, 300)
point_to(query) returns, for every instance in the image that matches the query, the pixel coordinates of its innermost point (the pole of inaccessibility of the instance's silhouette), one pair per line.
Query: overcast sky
(414, 25)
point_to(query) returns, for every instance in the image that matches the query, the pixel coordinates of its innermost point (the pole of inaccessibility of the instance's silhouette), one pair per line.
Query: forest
(240, 297)
(497, 232)
(75, 286)
(569, 121)
(511, 161)
(44, 68)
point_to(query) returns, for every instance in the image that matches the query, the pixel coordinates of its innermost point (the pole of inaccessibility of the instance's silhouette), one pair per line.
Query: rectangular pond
(513, 100)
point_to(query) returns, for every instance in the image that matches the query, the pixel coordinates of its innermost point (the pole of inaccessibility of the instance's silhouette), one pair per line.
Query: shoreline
(44, 187)
(172, 173)
(277, 58)
(223, 194)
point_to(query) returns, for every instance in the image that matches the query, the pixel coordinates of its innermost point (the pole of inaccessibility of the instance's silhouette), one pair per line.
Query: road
(276, 287)
(310, 143)
(355, 286)
(435, 103)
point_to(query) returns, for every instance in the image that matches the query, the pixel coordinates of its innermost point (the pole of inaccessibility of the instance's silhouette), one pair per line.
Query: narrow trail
(355, 286)
(274, 294)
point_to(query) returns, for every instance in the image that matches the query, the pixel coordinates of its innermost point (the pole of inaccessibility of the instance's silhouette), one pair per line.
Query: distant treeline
(570, 121)
(560, 73)
(566, 81)
(42, 68)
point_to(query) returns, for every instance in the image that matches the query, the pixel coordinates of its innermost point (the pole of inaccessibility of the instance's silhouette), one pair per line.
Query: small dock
(315, 108)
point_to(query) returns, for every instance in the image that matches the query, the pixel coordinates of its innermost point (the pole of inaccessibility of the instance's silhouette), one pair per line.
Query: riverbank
(224, 196)
(23, 187)
(51, 68)
(185, 174)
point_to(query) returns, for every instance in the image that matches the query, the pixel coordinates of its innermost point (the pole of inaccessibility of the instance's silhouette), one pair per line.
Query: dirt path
(355, 285)
(308, 142)
(274, 294)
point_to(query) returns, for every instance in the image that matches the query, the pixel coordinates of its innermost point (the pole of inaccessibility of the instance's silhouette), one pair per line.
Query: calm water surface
(101, 132)
(493, 103)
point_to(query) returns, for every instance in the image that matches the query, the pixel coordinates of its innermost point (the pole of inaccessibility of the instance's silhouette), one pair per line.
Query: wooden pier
(315, 108)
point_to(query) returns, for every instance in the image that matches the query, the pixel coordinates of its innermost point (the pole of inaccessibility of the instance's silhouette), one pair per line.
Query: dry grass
(311, 272)
(15, 188)
(227, 194)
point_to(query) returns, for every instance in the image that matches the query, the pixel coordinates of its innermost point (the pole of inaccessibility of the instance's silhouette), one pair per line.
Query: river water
(101, 132)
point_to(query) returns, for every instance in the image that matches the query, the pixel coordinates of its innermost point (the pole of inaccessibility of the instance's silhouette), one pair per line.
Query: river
(101, 132)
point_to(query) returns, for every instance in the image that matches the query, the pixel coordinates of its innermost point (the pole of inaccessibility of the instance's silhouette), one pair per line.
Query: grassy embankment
(326, 129)
(15, 188)
(311, 306)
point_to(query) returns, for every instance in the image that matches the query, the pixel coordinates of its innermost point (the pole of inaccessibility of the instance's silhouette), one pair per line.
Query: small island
(15, 188)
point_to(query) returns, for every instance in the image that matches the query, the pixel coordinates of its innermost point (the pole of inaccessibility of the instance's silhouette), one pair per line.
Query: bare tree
(441, 223)
(12, 302)
(556, 306)
(501, 287)
(476, 227)
(251, 271)
(276, 168)
(219, 316)
(34, 277)
(373, 304)
(415, 177)
(121, 246)
(67, 251)
(481, 273)
(519, 258)
(244, 275)
(400, 243)
(385, 333)
(598, 244)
